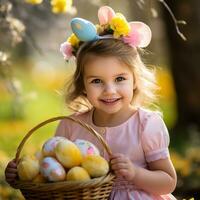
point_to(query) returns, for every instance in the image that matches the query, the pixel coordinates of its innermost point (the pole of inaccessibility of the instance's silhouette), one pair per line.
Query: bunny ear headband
(111, 25)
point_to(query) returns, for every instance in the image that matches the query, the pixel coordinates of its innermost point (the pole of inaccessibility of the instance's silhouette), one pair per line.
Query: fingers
(11, 172)
(119, 162)
(11, 167)
(122, 166)
(11, 178)
(12, 164)
(122, 172)
(118, 166)
(119, 158)
(11, 175)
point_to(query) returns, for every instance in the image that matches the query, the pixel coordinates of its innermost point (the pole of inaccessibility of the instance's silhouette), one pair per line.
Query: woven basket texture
(96, 188)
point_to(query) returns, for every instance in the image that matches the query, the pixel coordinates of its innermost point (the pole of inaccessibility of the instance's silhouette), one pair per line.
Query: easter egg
(77, 174)
(51, 169)
(28, 168)
(84, 29)
(86, 147)
(39, 179)
(68, 154)
(95, 165)
(39, 155)
(49, 146)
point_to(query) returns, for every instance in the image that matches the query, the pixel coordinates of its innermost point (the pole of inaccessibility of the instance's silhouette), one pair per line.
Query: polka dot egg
(86, 147)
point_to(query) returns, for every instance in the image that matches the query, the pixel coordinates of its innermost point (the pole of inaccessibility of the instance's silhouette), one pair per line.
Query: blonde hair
(145, 92)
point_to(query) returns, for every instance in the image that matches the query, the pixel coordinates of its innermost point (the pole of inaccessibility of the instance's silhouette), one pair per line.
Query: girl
(113, 82)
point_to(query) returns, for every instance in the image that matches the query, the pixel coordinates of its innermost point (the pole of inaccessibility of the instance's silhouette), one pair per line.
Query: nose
(109, 89)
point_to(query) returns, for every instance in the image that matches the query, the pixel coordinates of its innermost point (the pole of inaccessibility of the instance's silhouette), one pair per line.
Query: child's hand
(122, 166)
(11, 172)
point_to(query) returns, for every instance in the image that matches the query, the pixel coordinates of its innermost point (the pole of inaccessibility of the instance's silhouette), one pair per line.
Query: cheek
(92, 95)
(127, 92)
(90, 88)
(127, 88)
(92, 92)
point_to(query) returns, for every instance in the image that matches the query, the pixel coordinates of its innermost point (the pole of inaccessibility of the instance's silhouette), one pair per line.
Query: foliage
(23, 107)
(35, 110)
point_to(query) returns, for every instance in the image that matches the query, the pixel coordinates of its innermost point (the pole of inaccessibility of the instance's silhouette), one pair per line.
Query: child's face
(109, 84)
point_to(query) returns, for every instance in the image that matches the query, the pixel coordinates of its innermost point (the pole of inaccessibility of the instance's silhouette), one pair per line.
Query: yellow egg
(28, 168)
(95, 165)
(68, 154)
(77, 174)
(28, 157)
(39, 179)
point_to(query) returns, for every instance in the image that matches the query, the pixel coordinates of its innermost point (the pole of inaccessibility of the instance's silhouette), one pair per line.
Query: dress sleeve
(155, 138)
(63, 129)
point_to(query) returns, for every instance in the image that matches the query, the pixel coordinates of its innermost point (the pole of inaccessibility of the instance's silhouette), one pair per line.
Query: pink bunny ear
(139, 36)
(105, 14)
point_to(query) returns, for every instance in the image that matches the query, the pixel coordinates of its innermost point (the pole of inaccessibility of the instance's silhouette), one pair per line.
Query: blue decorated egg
(83, 29)
(86, 147)
(51, 169)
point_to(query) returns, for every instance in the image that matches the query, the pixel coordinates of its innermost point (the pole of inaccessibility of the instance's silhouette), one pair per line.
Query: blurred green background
(33, 73)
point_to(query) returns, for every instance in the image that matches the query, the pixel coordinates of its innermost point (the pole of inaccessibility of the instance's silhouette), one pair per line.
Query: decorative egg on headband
(111, 25)
(84, 30)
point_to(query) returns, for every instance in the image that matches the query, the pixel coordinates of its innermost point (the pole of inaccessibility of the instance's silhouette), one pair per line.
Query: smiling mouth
(110, 101)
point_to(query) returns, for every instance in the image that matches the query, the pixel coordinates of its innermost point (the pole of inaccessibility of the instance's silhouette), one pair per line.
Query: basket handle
(91, 130)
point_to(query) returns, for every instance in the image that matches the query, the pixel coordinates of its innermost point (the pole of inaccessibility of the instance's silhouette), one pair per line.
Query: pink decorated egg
(52, 170)
(49, 146)
(86, 147)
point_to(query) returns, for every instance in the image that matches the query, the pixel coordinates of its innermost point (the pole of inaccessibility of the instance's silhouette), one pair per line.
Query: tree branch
(176, 22)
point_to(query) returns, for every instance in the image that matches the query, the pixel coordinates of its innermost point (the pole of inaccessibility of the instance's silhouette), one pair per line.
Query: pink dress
(143, 138)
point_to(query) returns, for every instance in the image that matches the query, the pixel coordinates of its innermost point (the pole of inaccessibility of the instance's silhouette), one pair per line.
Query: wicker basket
(96, 188)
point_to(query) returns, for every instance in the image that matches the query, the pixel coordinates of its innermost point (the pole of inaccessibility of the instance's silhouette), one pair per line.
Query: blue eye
(96, 81)
(120, 78)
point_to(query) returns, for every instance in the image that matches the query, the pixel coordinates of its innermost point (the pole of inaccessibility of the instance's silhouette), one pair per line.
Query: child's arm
(159, 179)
